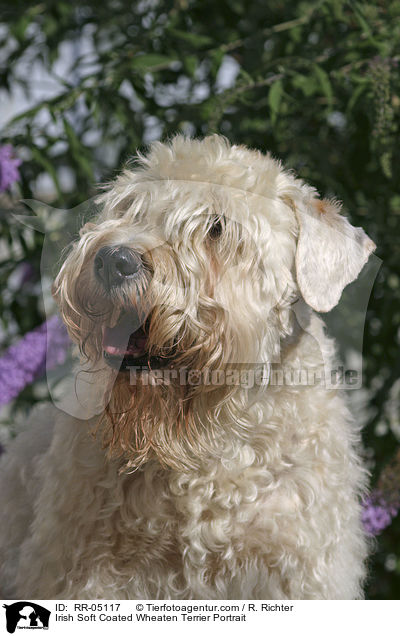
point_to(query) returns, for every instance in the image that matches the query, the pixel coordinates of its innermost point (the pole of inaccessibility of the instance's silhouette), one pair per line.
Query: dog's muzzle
(126, 342)
(115, 265)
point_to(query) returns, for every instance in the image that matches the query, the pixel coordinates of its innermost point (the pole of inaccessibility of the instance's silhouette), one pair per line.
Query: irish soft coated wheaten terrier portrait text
(203, 477)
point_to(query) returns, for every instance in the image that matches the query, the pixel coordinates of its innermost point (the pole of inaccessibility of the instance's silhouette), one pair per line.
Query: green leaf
(216, 58)
(148, 60)
(325, 83)
(77, 149)
(307, 84)
(28, 114)
(194, 39)
(190, 64)
(274, 99)
(361, 88)
(18, 29)
(209, 108)
(48, 166)
(360, 18)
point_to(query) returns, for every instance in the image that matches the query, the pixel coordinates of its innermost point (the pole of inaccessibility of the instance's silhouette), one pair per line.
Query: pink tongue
(125, 337)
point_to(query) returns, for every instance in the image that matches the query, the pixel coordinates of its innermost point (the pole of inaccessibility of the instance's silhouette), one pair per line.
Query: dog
(209, 263)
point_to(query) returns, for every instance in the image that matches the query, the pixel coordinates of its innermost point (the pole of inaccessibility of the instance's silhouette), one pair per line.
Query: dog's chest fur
(215, 532)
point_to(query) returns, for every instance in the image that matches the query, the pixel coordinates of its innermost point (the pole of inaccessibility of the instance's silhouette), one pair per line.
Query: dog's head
(194, 263)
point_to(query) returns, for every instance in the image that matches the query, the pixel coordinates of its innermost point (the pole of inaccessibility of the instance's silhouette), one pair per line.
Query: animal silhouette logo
(26, 615)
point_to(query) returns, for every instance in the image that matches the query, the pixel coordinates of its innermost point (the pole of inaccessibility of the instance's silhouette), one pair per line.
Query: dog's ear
(330, 252)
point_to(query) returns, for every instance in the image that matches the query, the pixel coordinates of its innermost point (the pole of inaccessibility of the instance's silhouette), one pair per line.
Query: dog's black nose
(114, 265)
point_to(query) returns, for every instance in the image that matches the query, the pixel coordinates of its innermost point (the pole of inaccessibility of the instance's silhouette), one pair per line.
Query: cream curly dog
(202, 477)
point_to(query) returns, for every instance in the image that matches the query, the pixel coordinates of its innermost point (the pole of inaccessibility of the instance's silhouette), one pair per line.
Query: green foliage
(316, 83)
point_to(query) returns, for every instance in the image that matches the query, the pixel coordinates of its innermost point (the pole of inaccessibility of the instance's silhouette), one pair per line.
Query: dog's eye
(215, 230)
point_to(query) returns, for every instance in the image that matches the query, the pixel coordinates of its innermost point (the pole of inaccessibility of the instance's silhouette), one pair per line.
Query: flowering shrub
(26, 361)
(9, 165)
(377, 513)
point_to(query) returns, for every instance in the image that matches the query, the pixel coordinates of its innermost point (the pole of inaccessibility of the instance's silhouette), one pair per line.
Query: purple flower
(377, 513)
(45, 346)
(26, 273)
(9, 172)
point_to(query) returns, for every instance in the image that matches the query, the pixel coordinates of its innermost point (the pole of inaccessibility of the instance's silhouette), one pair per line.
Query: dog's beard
(154, 410)
(171, 421)
(163, 420)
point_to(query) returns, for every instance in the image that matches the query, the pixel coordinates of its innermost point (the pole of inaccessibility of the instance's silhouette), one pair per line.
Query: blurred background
(84, 85)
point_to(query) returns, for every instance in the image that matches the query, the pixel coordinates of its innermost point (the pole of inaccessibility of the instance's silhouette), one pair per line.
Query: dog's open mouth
(125, 346)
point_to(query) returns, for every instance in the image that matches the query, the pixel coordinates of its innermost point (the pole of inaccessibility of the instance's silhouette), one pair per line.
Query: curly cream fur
(198, 491)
